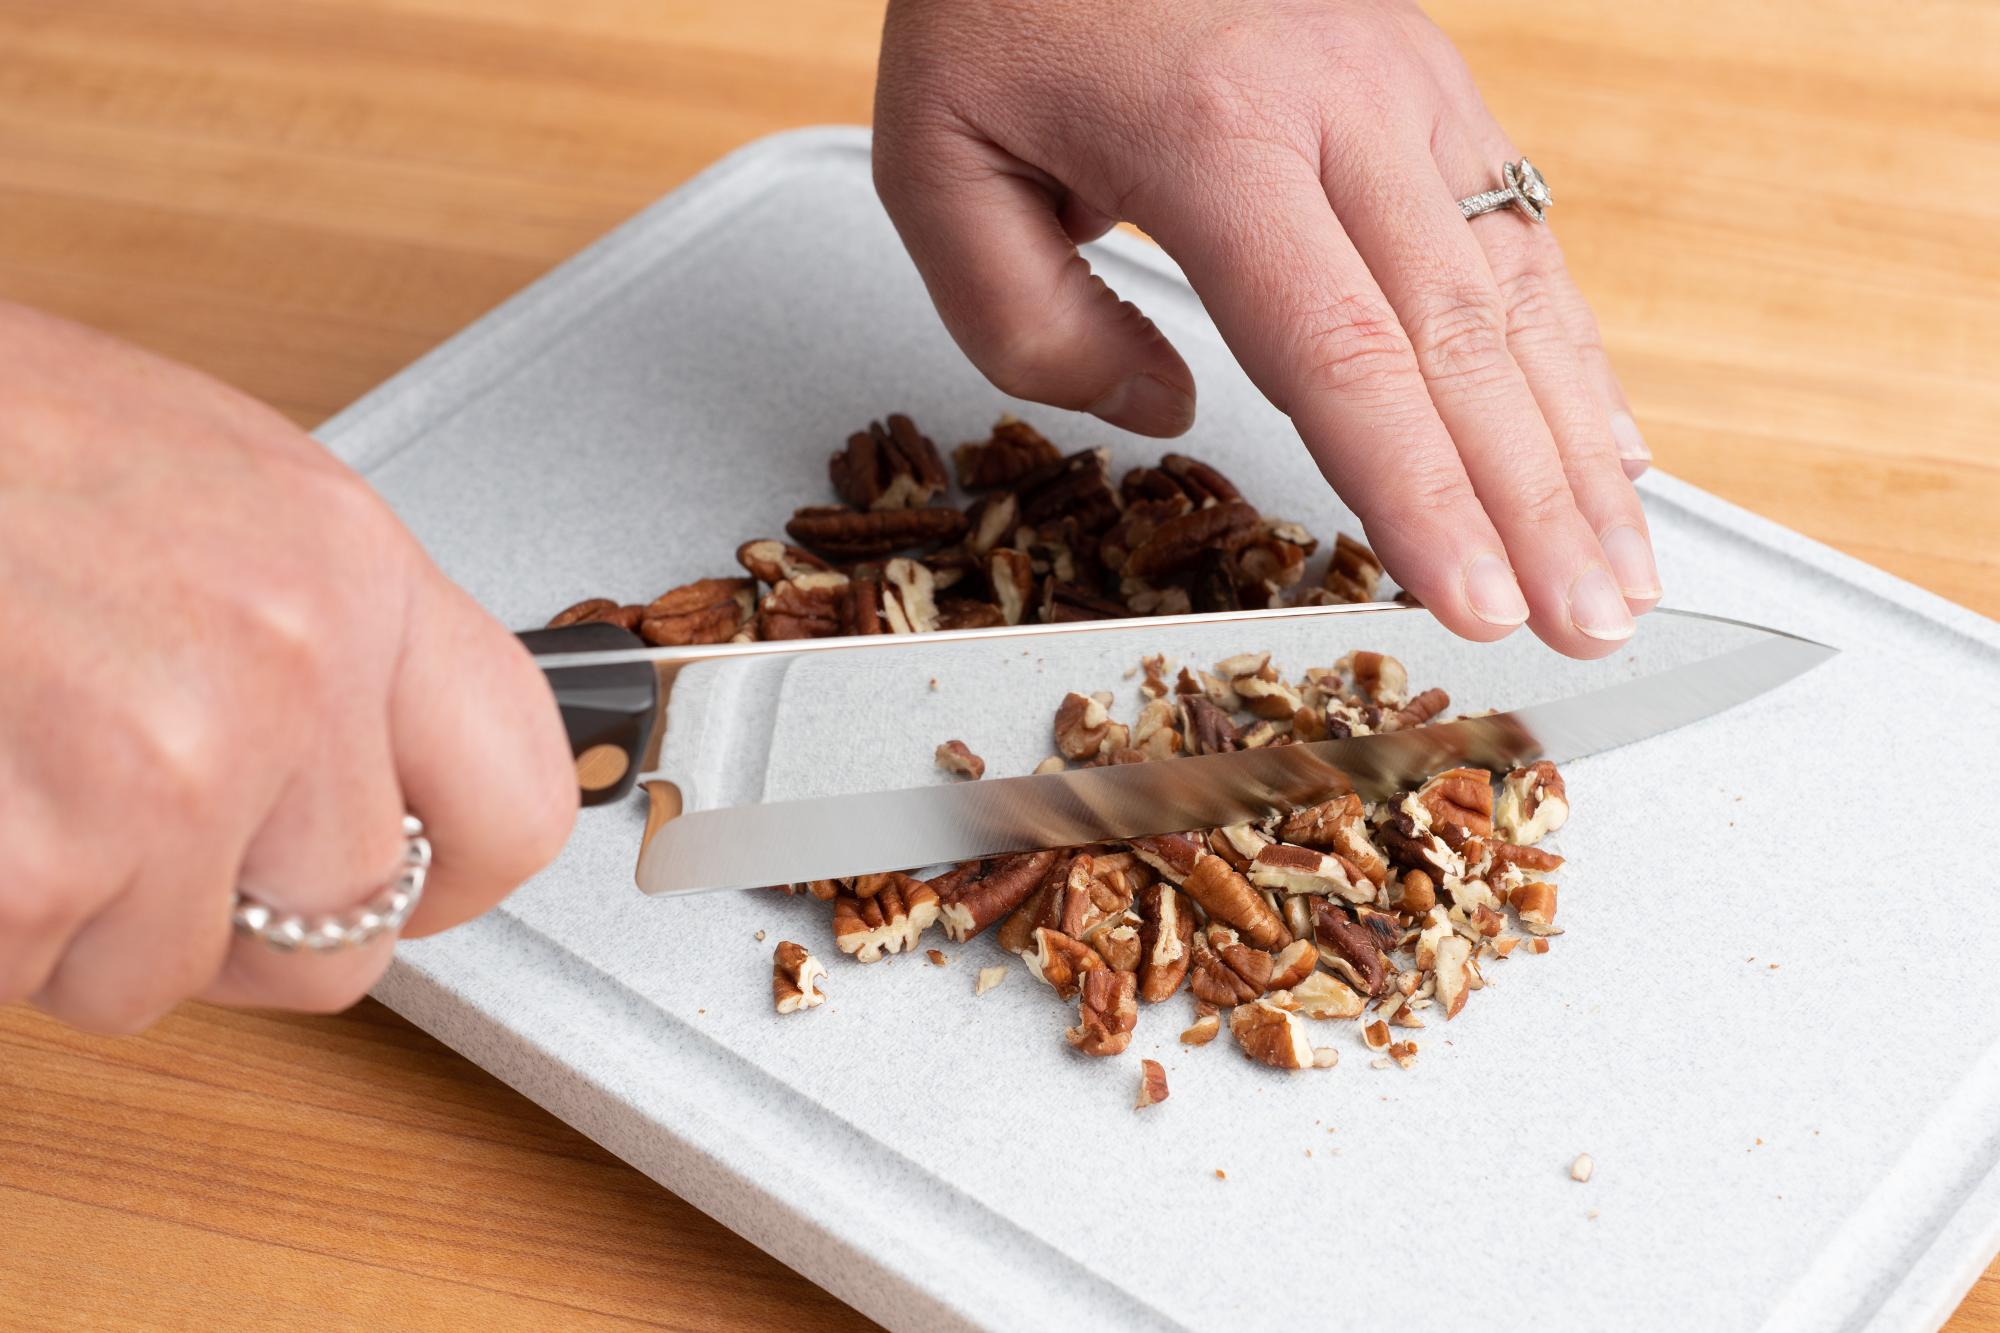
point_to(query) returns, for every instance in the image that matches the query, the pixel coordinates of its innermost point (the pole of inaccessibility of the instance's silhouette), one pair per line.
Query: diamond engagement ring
(1523, 187)
(383, 913)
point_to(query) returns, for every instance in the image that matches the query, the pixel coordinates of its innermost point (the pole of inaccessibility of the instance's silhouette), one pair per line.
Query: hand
(224, 662)
(1301, 160)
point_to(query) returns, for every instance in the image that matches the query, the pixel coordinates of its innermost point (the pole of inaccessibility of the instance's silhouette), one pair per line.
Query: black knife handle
(609, 711)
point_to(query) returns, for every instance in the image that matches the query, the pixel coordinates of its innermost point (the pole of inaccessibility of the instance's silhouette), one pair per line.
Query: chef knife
(625, 704)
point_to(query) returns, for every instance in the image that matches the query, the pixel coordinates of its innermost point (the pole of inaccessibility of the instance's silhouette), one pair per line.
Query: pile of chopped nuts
(1381, 912)
(1347, 910)
(1049, 537)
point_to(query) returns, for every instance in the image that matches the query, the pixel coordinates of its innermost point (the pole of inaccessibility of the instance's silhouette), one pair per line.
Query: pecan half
(773, 561)
(1225, 970)
(1012, 576)
(795, 978)
(1165, 941)
(1349, 949)
(1353, 574)
(1533, 803)
(1271, 1036)
(1462, 798)
(1014, 450)
(1288, 869)
(1106, 1014)
(1135, 526)
(1225, 895)
(889, 922)
(957, 757)
(598, 611)
(705, 611)
(1180, 542)
(1081, 725)
(909, 600)
(1063, 602)
(991, 523)
(858, 534)
(888, 467)
(1208, 728)
(974, 902)
(1202, 483)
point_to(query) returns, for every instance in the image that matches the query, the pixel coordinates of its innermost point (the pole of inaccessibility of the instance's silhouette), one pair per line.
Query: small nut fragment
(989, 977)
(1533, 803)
(1288, 869)
(1055, 763)
(1325, 1057)
(1165, 941)
(773, 561)
(1293, 964)
(795, 978)
(1152, 1085)
(1202, 1031)
(936, 956)
(1081, 724)
(1582, 1168)
(1535, 904)
(1380, 677)
(1415, 894)
(1453, 973)
(957, 757)
(1353, 573)
(1061, 962)
(1106, 1013)
(1323, 995)
(1270, 1035)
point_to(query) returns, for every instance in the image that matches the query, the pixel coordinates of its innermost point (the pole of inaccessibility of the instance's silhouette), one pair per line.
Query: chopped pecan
(988, 978)
(1533, 803)
(1118, 944)
(1380, 677)
(1180, 542)
(1077, 488)
(1412, 846)
(965, 613)
(1535, 904)
(1042, 907)
(1349, 949)
(1061, 961)
(909, 601)
(795, 978)
(1154, 734)
(1293, 964)
(1238, 844)
(1106, 1014)
(1211, 585)
(1453, 973)
(1014, 450)
(1207, 879)
(1154, 668)
(1420, 710)
(888, 467)
(1225, 970)
(1207, 728)
(599, 611)
(991, 523)
(1089, 898)
(889, 922)
(1462, 798)
(1206, 1024)
(1339, 825)
(705, 611)
(1210, 687)
(1266, 696)
(1268, 564)
(1323, 995)
(1354, 573)
(858, 534)
(1415, 894)
(1271, 1036)
(814, 605)
(1135, 527)
(1289, 869)
(1152, 1085)
(1081, 724)
(974, 902)
(774, 561)
(1012, 577)
(957, 757)
(1165, 941)
(1507, 863)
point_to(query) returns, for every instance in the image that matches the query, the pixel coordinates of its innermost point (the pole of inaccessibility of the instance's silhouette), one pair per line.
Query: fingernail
(1597, 608)
(1631, 557)
(1494, 595)
(1631, 444)
(1147, 404)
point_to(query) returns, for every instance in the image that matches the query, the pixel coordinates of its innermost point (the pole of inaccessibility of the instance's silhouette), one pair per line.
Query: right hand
(225, 663)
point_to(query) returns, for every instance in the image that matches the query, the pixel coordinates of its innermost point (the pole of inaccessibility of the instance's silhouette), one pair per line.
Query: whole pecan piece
(1014, 450)
(810, 606)
(705, 611)
(599, 611)
(1179, 542)
(1227, 971)
(1462, 798)
(977, 903)
(773, 561)
(858, 534)
(1202, 483)
(1225, 895)
(1348, 948)
(1107, 1013)
(888, 467)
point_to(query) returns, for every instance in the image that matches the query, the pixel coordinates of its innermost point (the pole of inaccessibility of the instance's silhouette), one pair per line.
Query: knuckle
(1529, 299)
(1461, 335)
(1543, 501)
(1356, 347)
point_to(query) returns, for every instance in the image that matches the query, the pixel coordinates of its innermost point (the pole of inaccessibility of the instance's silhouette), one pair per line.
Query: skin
(230, 665)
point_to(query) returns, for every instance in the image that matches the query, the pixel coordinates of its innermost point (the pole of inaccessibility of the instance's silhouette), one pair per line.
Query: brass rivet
(601, 766)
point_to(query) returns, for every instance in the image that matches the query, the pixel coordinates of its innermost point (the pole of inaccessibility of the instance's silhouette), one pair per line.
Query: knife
(635, 713)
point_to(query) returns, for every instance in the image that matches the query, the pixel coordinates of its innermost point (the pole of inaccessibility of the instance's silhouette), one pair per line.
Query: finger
(1405, 223)
(50, 886)
(1527, 267)
(482, 754)
(987, 236)
(1463, 94)
(1300, 311)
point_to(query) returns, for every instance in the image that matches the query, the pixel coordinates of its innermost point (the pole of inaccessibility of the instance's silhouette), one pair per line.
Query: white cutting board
(1809, 1146)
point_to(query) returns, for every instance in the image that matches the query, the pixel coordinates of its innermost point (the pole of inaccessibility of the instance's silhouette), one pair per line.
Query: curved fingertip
(1632, 566)
(1493, 593)
(1633, 454)
(1147, 404)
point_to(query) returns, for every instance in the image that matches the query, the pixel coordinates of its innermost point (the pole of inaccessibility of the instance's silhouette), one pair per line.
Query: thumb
(992, 238)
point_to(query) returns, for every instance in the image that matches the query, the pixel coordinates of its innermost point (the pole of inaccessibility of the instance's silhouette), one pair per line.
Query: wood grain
(1783, 213)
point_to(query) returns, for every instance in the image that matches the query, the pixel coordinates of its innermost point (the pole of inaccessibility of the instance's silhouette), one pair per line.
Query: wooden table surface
(1784, 212)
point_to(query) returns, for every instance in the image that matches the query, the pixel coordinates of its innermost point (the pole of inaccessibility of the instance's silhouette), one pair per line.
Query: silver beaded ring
(384, 913)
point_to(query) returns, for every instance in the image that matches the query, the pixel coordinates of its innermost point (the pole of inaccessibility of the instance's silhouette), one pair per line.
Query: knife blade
(1682, 667)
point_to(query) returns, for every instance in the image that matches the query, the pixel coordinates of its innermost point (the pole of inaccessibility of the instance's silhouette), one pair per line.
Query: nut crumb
(795, 978)
(760, 937)
(936, 956)
(1580, 1169)
(1152, 1085)
(957, 757)
(989, 977)
(1220, 1174)
(934, 684)
(1324, 1057)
